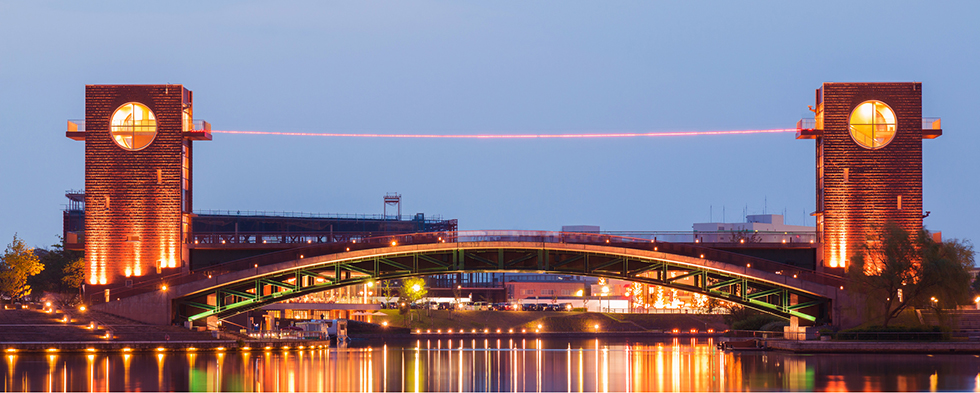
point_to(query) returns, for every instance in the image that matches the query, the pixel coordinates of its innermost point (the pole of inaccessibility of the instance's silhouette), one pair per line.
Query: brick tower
(138, 157)
(869, 163)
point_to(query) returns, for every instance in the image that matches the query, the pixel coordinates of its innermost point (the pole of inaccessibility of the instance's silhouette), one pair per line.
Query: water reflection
(506, 364)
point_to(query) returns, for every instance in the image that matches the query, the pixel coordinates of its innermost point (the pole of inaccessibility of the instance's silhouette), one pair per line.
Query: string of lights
(513, 136)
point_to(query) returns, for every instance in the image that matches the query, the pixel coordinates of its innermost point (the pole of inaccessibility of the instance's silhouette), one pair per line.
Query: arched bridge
(247, 284)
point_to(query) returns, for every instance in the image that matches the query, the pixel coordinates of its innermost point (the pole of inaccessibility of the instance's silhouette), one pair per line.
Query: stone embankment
(936, 347)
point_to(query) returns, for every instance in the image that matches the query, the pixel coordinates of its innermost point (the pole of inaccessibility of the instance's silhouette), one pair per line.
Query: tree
(896, 270)
(63, 270)
(17, 265)
(412, 290)
(386, 291)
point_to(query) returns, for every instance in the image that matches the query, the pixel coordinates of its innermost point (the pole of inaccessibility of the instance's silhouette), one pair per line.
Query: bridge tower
(138, 183)
(868, 163)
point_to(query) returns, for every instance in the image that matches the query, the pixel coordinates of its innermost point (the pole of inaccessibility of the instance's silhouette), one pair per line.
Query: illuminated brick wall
(134, 199)
(859, 188)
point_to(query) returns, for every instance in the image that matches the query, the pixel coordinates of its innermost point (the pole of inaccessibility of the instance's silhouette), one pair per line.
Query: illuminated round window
(133, 126)
(873, 124)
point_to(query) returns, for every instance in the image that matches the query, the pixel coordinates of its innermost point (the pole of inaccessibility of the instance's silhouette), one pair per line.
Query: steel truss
(234, 298)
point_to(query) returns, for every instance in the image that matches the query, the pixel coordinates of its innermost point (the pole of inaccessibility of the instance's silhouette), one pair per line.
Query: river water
(517, 365)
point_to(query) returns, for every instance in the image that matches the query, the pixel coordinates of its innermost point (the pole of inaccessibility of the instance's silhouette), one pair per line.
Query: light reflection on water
(517, 365)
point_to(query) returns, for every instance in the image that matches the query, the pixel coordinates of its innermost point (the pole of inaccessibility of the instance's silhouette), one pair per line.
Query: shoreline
(787, 346)
(871, 347)
(10, 347)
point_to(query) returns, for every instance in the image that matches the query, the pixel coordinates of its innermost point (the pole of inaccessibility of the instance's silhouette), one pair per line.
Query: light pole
(605, 293)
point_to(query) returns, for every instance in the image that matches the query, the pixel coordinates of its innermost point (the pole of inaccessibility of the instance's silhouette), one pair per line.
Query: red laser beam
(513, 136)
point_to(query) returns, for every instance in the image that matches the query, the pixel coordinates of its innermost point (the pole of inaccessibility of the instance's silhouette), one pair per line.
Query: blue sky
(488, 67)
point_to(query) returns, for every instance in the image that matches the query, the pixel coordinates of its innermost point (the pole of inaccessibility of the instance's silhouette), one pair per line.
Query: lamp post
(605, 293)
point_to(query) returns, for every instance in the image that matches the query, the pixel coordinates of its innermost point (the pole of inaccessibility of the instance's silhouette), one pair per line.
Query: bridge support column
(212, 322)
(794, 321)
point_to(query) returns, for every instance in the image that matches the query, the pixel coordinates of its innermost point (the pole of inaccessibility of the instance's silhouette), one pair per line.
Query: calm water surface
(519, 365)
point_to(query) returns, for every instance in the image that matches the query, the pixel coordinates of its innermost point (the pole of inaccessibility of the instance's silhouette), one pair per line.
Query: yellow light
(385, 323)
(675, 331)
(89, 349)
(486, 330)
(11, 350)
(285, 347)
(702, 256)
(192, 349)
(523, 330)
(473, 331)
(596, 326)
(711, 330)
(127, 349)
(81, 308)
(302, 347)
(163, 287)
(498, 330)
(161, 349)
(394, 243)
(539, 326)
(220, 348)
(418, 331)
(510, 330)
(370, 284)
(246, 348)
(748, 265)
(47, 304)
(268, 348)
(52, 349)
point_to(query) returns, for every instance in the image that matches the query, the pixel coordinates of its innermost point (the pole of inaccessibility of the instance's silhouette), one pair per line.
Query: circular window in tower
(873, 124)
(133, 126)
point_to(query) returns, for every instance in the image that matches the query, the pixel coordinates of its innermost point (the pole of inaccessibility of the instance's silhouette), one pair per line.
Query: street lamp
(605, 292)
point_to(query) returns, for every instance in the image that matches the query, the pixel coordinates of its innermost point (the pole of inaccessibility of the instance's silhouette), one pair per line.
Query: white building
(759, 228)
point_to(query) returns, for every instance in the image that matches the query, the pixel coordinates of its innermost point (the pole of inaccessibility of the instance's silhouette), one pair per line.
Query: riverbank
(894, 347)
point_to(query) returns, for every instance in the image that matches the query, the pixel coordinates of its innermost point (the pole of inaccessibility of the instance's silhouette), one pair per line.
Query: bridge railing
(313, 250)
(241, 238)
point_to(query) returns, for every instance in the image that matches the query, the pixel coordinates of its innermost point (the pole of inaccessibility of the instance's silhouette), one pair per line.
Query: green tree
(73, 275)
(896, 270)
(412, 290)
(56, 276)
(17, 265)
(387, 291)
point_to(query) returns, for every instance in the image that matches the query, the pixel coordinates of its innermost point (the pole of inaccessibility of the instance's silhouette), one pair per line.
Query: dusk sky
(467, 67)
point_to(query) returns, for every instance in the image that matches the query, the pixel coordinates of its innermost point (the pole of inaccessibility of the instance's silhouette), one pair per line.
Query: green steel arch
(779, 293)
